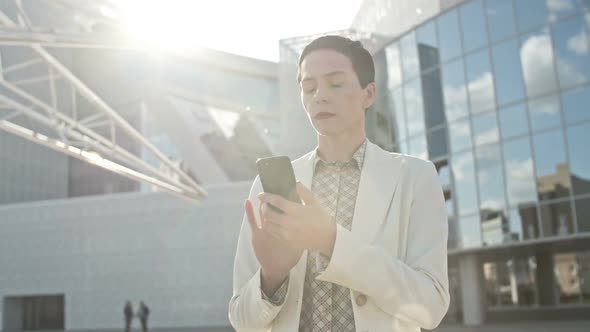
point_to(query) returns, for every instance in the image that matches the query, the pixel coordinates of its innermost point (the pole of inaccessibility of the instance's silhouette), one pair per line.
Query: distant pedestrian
(128, 313)
(143, 312)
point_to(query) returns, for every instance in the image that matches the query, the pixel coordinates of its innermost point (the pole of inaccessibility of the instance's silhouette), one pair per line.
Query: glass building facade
(496, 94)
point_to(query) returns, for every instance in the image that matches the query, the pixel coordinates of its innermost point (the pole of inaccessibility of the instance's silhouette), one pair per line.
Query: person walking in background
(143, 312)
(128, 313)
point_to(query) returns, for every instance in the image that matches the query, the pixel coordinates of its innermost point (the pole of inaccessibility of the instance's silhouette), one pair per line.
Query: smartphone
(277, 177)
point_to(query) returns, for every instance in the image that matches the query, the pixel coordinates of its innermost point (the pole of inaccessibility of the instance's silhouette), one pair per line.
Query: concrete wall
(175, 255)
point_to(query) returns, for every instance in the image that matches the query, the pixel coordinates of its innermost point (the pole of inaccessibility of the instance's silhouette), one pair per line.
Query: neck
(340, 147)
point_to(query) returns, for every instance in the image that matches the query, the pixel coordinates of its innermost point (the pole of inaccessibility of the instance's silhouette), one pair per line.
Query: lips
(323, 115)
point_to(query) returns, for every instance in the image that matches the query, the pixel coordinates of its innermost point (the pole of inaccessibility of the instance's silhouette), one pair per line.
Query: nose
(320, 95)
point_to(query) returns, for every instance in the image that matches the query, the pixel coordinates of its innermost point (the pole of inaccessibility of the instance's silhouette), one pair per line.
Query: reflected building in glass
(496, 94)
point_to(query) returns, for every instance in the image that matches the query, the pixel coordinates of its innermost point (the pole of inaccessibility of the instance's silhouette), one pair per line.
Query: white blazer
(394, 259)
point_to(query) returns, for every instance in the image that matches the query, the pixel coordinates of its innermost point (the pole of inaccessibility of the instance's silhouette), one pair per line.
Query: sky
(251, 28)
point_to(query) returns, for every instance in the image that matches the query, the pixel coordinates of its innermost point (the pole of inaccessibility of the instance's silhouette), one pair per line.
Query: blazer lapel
(379, 179)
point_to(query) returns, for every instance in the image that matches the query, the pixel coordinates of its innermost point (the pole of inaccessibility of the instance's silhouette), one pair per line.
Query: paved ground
(542, 326)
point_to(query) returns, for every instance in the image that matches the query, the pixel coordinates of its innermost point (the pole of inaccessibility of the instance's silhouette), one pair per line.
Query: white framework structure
(75, 134)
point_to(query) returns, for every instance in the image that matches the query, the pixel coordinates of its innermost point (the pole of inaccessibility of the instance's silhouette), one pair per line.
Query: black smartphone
(277, 177)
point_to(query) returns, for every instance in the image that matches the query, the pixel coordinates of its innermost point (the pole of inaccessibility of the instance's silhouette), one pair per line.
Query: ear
(370, 94)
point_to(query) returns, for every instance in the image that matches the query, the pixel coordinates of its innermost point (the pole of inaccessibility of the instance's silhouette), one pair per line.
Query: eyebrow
(333, 73)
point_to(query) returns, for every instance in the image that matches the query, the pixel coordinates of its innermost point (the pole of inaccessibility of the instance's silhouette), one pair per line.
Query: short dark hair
(361, 59)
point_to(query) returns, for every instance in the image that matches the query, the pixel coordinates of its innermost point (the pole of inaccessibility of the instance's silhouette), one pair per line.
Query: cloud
(578, 43)
(537, 65)
(521, 186)
(488, 136)
(481, 92)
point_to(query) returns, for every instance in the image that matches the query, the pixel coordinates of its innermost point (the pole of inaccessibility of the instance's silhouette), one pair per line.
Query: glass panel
(444, 175)
(584, 275)
(536, 57)
(575, 105)
(559, 8)
(413, 103)
(511, 282)
(434, 111)
(516, 223)
(583, 216)
(449, 35)
(567, 279)
(470, 230)
(513, 121)
(465, 189)
(492, 201)
(500, 14)
(553, 177)
(473, 25)
(488, 156)
(571, 49)
(544, 113)
(427, 46)
(507, 72)
(530, 14)
(460, 135)
(397, 105)
(437, 143)
(455, 92)
(485, 128)
(520, 179)
(417, 147)
(403, 147)
(577, 140)
(480, 82)
(394, 69)
(557, 219)
(494, 228)
(409, 53)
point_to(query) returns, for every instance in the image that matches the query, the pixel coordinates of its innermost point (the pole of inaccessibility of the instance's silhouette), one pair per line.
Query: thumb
(305, 194)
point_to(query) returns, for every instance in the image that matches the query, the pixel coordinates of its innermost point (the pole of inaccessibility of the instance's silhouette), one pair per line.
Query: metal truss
(75, 134)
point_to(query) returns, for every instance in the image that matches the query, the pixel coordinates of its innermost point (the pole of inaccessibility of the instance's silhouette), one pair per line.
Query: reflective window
(572, 271)
(437, 143)
(463, 170)
(556, 219)
(518, 221)
(571, 49)
(403, 147)
(491, 193)
(444, 174)
(494, 227)
(454, 90)
(434, 111)
(544, 113)
(530, 14)
(396, 104)
(413, 105)
(511, 282)
(488, 156)
(417, 147)
(485, 128)
(520, 179)
(500, 15)
(473, 25)
(536, 57)
(449, 35)
(460, 135)
(583, 215)
(427, 45)
(560, 8)
(507, 72)
(394, 68)
(553, 177)
(409, 54)
(470, 230)
(577, 140)
(480, 82)
(575, 105)
(513, 121)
